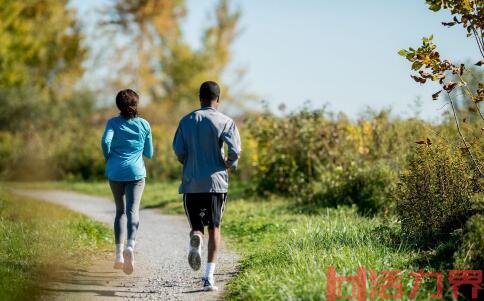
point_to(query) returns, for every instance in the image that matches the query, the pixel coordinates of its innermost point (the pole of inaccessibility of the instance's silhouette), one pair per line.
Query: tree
(41, 44)
(427, 62)
(41, 56)
(167, 68)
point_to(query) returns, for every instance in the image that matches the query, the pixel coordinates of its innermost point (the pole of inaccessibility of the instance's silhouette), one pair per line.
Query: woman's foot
(119, 260)
(118, 265)
(128, 256)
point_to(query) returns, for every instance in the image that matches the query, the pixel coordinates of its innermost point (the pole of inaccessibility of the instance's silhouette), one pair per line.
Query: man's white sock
(209, 271)
(131, 243)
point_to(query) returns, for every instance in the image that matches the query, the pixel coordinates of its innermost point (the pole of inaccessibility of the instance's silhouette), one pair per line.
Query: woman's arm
(148, 147)
(106, 140)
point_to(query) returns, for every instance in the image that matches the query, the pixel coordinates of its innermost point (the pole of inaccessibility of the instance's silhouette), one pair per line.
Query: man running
(198, 144)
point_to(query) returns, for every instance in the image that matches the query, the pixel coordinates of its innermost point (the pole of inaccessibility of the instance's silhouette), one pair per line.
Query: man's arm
(231, 137)
(106, 140)
(179, 145)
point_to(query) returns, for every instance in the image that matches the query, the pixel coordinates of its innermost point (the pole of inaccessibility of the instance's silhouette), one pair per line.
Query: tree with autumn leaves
(41, 60)
(429, 66)
(164, 66)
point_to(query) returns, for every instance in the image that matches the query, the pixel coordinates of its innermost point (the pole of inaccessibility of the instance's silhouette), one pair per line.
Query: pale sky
(343, 53)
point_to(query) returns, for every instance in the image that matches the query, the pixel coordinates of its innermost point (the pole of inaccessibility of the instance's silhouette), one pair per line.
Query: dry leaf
(450, 86)
(418, 79)
(436, 95)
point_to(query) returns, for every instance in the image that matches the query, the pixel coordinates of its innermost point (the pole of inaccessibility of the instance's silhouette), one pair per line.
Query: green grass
(37, 239)
(285, 254)
(286, 250)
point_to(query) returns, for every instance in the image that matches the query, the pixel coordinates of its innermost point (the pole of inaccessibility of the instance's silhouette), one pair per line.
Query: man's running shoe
(194, 254)
(209, 285)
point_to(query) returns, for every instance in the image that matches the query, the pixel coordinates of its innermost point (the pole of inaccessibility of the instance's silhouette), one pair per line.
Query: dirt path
(161, 271)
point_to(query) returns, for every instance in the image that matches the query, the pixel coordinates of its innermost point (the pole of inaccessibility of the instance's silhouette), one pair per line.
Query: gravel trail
(161, 268)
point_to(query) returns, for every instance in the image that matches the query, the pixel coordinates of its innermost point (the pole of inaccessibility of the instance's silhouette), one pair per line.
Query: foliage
(434, 195)
(368, 186)
(470, 255)
(41, 57)
(435, 192)
(164, 164)
(473, 75)
(321, 159)
(26, 109)
(426, 60)
(168, 69)
(41, 44)
(468, 13)
(8, 155)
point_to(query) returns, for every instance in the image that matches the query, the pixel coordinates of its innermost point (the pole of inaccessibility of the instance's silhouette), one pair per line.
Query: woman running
(126, 139)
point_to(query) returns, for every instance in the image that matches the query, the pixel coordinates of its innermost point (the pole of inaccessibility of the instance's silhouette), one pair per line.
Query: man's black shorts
(204, 209)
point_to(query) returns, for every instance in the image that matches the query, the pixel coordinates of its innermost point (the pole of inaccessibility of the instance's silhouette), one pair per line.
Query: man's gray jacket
(198, 144)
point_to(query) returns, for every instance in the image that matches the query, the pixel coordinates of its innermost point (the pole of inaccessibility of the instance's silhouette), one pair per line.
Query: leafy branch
(428, 65)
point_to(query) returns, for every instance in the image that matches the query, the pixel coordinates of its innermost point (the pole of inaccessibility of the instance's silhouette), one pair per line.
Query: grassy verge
(37, 239)
(286, 254)
(286, 251)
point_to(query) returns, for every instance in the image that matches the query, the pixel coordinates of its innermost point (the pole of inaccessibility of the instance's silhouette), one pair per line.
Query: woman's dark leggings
(127, 196)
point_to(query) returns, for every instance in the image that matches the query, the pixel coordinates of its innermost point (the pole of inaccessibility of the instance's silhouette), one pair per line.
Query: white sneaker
(194, 254)
(119, 262)
(209, 285)
(128, 265)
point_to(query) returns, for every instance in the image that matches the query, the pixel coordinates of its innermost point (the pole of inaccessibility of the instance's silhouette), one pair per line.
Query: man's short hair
(209, 91)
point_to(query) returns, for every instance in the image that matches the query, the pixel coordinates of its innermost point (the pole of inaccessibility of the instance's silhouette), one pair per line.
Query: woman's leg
(134, 191)
(118, 189)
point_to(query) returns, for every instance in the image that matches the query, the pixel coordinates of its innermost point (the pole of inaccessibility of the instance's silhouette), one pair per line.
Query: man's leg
(218, 204)
(191, 203)
(213, 247)
(213, 244)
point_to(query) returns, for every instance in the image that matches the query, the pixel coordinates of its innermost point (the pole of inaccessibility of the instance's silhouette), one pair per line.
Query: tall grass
(286, 255)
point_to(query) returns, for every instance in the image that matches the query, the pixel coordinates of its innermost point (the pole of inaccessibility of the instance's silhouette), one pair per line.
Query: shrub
(323, 159)
(471, 252)
(434, 195)
(8, 153)
(368, 186)
(78, 155)
(164, 164)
